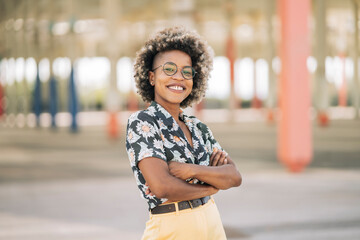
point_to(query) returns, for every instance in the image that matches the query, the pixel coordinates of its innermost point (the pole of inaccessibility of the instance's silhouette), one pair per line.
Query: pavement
(55, 185)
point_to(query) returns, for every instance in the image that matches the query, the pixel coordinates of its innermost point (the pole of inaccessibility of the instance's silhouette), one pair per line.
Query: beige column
(231, 55)
(270, 55)
(73, 99)
(18, 53)
(321, 89)
(111, 12)
(11, 88)
(356, 90)
(26, 55)
(256, 102)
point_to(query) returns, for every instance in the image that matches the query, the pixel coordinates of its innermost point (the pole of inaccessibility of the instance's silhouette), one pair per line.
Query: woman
(177, 163)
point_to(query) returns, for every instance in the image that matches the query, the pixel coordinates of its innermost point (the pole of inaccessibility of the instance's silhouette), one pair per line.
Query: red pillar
(199, 109)
(256, 102)
(231, 55)
(133, 104)
(294, 131)
(323, 118)
(342, 102)
(113, 125)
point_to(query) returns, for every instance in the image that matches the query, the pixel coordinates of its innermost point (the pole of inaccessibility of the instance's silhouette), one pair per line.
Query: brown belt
(167, 208)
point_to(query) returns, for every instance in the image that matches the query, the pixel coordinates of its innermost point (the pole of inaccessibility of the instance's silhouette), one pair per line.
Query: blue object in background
(53, 100)
(37, 104)
(73, 101)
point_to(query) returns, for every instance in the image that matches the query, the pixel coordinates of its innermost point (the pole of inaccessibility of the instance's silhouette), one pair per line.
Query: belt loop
(190, 204)
(177, 212)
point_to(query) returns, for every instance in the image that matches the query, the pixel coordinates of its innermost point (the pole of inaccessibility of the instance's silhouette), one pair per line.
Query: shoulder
(198, 124)
(146, 115)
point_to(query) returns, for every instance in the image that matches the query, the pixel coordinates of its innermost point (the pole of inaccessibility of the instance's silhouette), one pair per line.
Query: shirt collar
(165, 116)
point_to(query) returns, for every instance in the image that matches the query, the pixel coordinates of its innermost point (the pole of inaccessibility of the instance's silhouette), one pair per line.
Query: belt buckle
(191, 206)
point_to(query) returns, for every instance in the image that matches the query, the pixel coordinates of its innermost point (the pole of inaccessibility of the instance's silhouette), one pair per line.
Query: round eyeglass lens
(170, 68)
(188, 72)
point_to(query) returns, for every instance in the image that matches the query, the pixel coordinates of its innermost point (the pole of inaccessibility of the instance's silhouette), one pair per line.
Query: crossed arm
(168, 180)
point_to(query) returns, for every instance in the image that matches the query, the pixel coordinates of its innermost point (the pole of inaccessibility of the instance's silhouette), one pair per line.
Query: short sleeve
(143, 138)
(210, 142)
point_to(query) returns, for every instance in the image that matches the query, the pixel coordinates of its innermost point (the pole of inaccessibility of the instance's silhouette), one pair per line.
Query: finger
(148, 192)
(216, 159)
(226, 161)
(222, 159)
(214, 156)
(212, 159)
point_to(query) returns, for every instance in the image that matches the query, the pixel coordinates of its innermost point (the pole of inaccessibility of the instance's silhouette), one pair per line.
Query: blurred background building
(98, 39)
(59, 58)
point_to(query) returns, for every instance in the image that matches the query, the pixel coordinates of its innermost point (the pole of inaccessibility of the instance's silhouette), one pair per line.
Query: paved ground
(62, 186)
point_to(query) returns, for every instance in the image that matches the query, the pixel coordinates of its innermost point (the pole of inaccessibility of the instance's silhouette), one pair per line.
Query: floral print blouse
(155, 133)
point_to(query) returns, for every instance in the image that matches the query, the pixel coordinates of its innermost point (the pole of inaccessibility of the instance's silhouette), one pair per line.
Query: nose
(178, 75)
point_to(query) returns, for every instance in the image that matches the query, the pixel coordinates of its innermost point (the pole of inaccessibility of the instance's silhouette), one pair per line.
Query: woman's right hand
(148, 190)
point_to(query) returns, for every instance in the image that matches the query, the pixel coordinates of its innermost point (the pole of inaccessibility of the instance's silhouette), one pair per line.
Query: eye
(169, 69)
(188, 72)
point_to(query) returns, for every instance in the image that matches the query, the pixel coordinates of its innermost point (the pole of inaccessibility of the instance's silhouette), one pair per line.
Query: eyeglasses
(171, 68)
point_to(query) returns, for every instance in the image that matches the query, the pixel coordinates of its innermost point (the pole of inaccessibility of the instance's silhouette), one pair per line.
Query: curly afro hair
(175, 38)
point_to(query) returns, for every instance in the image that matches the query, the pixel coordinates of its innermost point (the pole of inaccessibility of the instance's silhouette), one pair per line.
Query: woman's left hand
(180, 170)
(218, 158)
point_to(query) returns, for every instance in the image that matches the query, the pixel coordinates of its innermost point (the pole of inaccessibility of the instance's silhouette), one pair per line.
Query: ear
(151, 78)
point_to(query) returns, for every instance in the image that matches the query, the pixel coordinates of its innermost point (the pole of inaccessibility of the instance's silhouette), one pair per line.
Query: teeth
(176, 87)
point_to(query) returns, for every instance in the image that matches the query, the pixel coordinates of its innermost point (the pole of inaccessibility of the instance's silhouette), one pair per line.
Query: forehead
(178, 57)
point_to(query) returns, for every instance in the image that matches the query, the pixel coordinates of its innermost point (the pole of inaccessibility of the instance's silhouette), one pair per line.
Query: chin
(174, 100)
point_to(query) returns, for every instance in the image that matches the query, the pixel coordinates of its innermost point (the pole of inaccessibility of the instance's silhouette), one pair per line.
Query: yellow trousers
(201, 223)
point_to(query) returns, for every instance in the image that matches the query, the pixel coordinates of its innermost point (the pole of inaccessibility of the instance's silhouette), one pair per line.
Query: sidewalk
(60, 186)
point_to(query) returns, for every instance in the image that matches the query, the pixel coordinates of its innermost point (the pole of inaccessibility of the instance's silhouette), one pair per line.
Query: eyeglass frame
(163, 65)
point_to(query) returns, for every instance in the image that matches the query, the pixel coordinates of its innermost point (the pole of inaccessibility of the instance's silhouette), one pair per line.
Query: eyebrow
(176, 64)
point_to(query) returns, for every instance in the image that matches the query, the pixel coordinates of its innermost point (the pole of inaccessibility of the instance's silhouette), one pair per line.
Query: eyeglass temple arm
(156, 68)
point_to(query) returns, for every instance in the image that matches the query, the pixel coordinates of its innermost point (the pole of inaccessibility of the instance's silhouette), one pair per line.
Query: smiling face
(170, 90)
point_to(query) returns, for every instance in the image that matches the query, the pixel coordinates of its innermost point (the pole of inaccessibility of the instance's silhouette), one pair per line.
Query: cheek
(190, 87)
